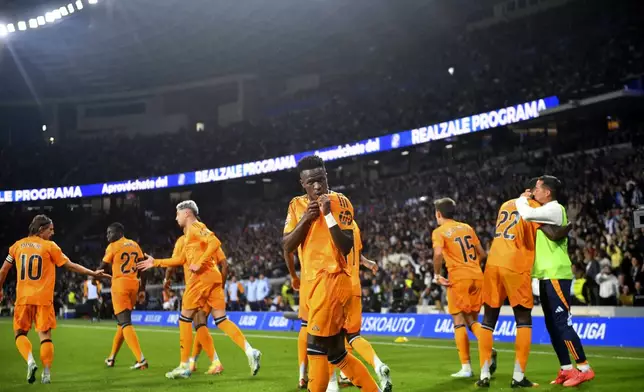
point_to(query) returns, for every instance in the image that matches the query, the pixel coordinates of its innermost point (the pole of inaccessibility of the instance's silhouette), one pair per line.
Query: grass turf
(419, 365)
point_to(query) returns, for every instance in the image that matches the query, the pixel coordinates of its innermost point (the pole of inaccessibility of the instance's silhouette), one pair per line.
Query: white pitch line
(278, 337)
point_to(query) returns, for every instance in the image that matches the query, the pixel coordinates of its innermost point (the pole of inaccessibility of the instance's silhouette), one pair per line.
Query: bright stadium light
(11, 28)
(92, 1)
(56, 14)
(22, 26)
(450, 70)
(3, 31)
(63, 11)
(79, 4)
(52, 140)
(41, 20)
(49, 17)
(448, 146)
(33, 23)
(44, 128)
(70, 8)
(404, 153)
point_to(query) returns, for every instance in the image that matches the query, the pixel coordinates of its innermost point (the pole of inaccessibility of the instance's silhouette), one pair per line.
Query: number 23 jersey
(123, 255)
(35, 260)
(514, 239)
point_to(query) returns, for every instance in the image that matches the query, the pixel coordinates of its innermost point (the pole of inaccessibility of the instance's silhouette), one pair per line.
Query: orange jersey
(318, 252)
(123, 255)
(458, 241)
(36, 260)
(354, 258)
(514, 239)
(198, 245)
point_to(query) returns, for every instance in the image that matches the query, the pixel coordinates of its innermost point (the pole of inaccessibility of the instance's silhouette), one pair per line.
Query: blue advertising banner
(593, 331)
(461, 126)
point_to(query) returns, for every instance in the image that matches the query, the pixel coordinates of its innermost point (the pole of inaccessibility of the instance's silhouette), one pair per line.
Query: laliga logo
(182, 179)
(395, 140)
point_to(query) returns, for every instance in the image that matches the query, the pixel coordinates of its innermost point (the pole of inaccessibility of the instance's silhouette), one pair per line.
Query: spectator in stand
(252, 294)
(234, 290)
(263, 290)
(370, 303)
(287, 294)
(608, 287)
(638, 294)
(637, 273)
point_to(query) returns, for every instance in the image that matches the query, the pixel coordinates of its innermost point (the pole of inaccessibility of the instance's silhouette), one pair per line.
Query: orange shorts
(353, 322)
(328, 304)
(196, 294)
(216, 300)
(465, 295)
(25, 315)
(303, 306)
(124, 295)
(500, 283)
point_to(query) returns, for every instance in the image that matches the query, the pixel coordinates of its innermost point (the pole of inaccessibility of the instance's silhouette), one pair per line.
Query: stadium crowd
(395, 89)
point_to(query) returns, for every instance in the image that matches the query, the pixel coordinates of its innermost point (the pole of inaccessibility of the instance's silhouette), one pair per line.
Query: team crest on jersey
(346, 218)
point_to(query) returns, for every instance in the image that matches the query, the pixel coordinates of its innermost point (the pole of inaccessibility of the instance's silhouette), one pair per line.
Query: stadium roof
(123, 46)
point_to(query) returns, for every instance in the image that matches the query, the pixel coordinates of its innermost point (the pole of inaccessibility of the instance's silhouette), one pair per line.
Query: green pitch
(420, 365)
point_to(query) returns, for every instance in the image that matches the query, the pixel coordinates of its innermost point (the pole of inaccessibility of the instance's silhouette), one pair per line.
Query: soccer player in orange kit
(320, 223)
(36, 258)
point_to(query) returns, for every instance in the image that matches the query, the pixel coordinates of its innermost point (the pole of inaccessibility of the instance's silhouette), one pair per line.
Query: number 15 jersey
(123, 255)
(35, 260)
(458, 241)
(514, 239)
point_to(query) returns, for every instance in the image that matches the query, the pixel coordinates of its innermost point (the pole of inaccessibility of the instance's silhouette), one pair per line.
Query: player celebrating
(203, 286)
(507, 274)
(36, 258)
(353, 322)
(552, 268)
(325, 244)
(458, 244)
(122, 254)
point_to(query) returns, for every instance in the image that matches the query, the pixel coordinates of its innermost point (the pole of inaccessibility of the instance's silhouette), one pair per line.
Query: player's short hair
(553, 184)
(446, 206)
(189, 205)
(117, 227)
(531, 184)
(309, 163)
(38, 223)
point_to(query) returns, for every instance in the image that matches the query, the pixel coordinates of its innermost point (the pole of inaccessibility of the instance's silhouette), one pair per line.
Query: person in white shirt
(233, 291)
(263, 289)
(608, 287)
(251, 293)
(91, 293)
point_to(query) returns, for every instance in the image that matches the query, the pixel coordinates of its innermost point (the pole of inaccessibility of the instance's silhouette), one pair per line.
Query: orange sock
(366, 351)
(47, 353)
(205, 339)
(129, 334)
(24, 347)
(117, 342)
(185, 338)
(196, 347)
(357, 373)
(302, 360)
(522, 346)
(318, 373)
(486, 340)
(476, 329)
(462, 343)
(234, 333)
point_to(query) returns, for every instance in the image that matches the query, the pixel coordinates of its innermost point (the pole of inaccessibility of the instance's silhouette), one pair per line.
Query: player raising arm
(36, 258)
(204, 287)
(122, 254)
(457, 244)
